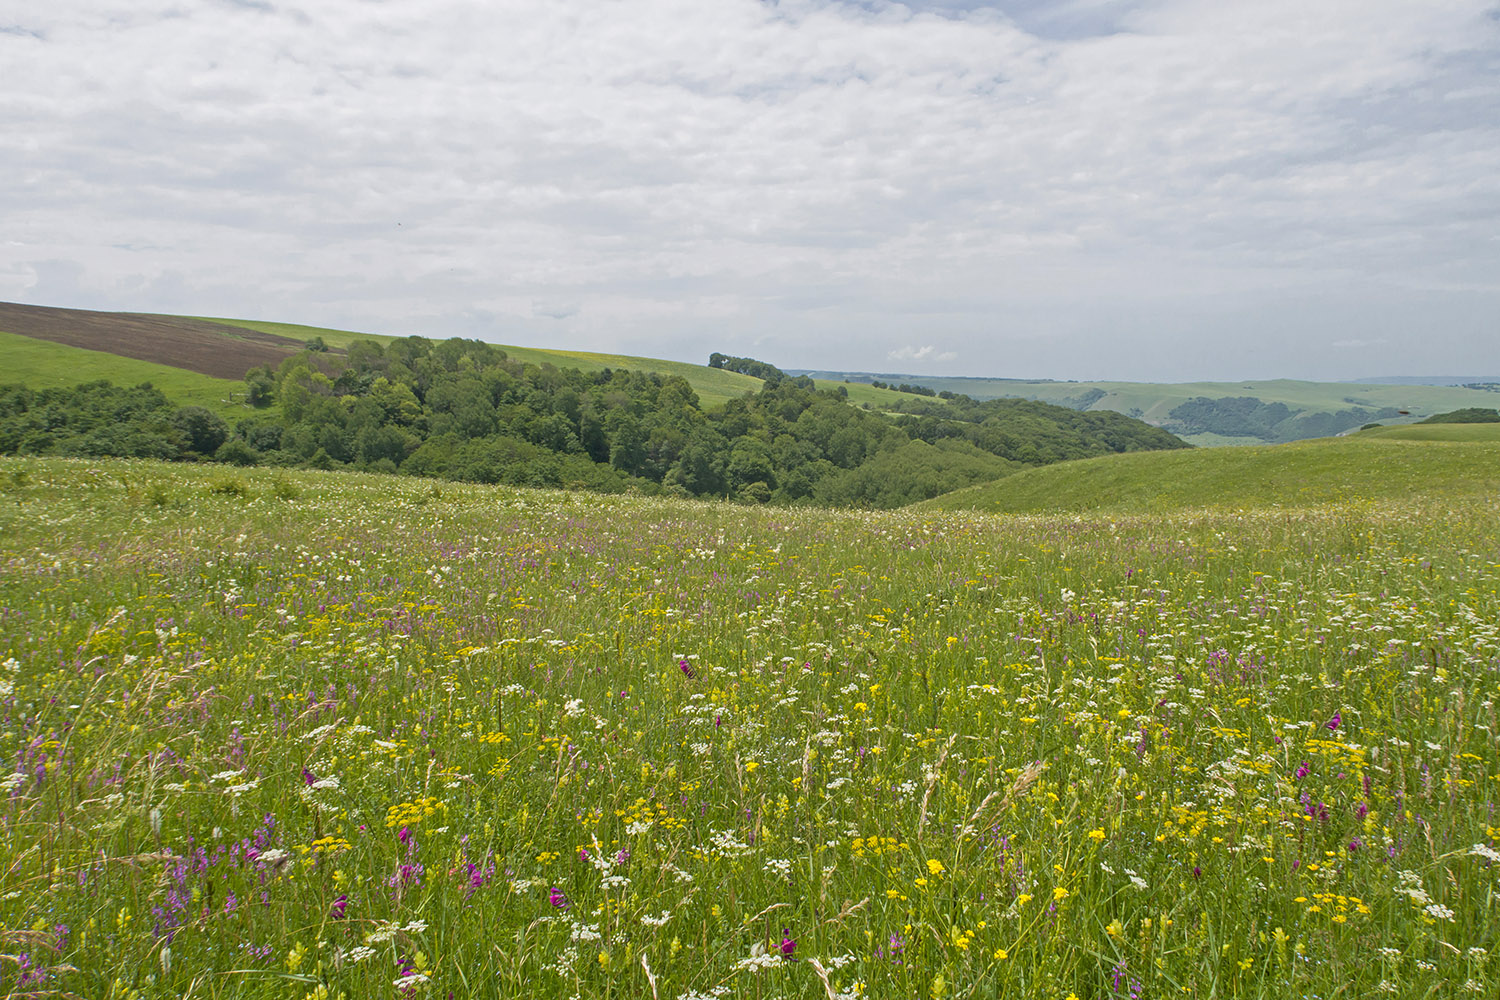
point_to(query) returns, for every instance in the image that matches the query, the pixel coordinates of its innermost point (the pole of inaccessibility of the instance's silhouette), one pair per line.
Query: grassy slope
(297, 331)
(1370, 466)
(1435, 432)
(1153, 401)
(42, 364)
(1156, 399)
(714, 387)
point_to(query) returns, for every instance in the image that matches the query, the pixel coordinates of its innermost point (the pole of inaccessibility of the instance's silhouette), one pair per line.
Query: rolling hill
(1223, 413)
(224, 349)
(43, 364)
(220, 350)
(714, 386)
(1384, 464)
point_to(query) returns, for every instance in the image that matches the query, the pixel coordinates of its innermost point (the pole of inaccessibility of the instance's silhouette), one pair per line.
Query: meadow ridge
(1414, 464)
(274, 734)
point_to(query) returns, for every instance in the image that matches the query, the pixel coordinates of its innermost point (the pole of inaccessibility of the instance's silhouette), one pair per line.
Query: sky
(1156, 190)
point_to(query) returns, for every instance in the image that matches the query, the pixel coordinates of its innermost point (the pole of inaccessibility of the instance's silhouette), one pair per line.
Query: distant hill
(714, 386)
(209, 348)
(1468, 380)
(1222, 413)
(228, 348)
(43, 364)
(1468, 415)
(469, 410)
(1388, 464)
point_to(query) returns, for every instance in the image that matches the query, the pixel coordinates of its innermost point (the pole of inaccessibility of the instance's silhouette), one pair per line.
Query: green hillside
(714, 387)
(1383, 464)
(1217, 413)
(41, 364)
(1435, 432)
(297, 331)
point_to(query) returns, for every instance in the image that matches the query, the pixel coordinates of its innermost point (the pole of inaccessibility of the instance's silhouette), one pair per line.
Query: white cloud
(821, 177)
(928, 353)
(555, 309)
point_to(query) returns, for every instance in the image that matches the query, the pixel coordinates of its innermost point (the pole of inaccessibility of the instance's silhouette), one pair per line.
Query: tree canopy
(462, 409)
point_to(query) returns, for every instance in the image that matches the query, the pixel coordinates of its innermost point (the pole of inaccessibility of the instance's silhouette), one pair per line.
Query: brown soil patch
(197, 345)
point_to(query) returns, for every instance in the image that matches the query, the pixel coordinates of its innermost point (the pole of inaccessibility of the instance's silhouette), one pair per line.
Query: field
(327, 735)
(1436, 432)
(1394, 465)
(42, 364)
(194, 345)
(1154, 401)
(713, 386)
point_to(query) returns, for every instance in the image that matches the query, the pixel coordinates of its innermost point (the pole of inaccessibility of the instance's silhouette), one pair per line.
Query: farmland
(274, 734)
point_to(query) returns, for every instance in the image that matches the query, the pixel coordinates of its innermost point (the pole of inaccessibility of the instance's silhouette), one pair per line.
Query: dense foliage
(1031, 432)
(97, 419)
(1467, 415)
(763, 370)
(1247, 416)
(271, 735)
(915, 390)
(463, 410)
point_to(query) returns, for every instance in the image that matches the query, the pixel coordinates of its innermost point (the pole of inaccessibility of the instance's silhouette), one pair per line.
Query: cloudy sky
(1138, 189)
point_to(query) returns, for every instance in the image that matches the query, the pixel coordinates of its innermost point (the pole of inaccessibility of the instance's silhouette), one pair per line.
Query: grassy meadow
(41, 364)
(1415, 464)
(306, 735)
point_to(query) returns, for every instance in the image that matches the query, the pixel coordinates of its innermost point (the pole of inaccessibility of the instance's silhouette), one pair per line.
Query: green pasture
(1395, 465)
(1435, 432)
(41, 364)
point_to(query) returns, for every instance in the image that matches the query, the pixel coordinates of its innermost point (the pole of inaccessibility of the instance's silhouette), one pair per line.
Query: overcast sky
(1168, 190)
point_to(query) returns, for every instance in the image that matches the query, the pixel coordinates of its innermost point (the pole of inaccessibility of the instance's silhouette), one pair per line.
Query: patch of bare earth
(196, 345)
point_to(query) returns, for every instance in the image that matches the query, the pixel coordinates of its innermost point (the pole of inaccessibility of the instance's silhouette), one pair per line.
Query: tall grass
(339, 735)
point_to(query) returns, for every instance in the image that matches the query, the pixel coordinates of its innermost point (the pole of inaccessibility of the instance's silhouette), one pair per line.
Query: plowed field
(216, 349)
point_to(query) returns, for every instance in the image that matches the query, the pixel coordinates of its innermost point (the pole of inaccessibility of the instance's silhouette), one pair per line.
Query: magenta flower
(1333, 723)
(339, 906)
(1302, 770)
(558, 899)
(787, 944)
(687, 668)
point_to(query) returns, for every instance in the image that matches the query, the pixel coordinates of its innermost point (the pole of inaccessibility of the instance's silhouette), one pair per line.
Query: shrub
(229, 486)
(236, 452)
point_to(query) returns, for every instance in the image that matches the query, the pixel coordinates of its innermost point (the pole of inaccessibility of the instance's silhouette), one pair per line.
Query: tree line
(462, 409)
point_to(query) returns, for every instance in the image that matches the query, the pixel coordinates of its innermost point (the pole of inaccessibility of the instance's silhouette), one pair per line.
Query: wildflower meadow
(315, 736)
